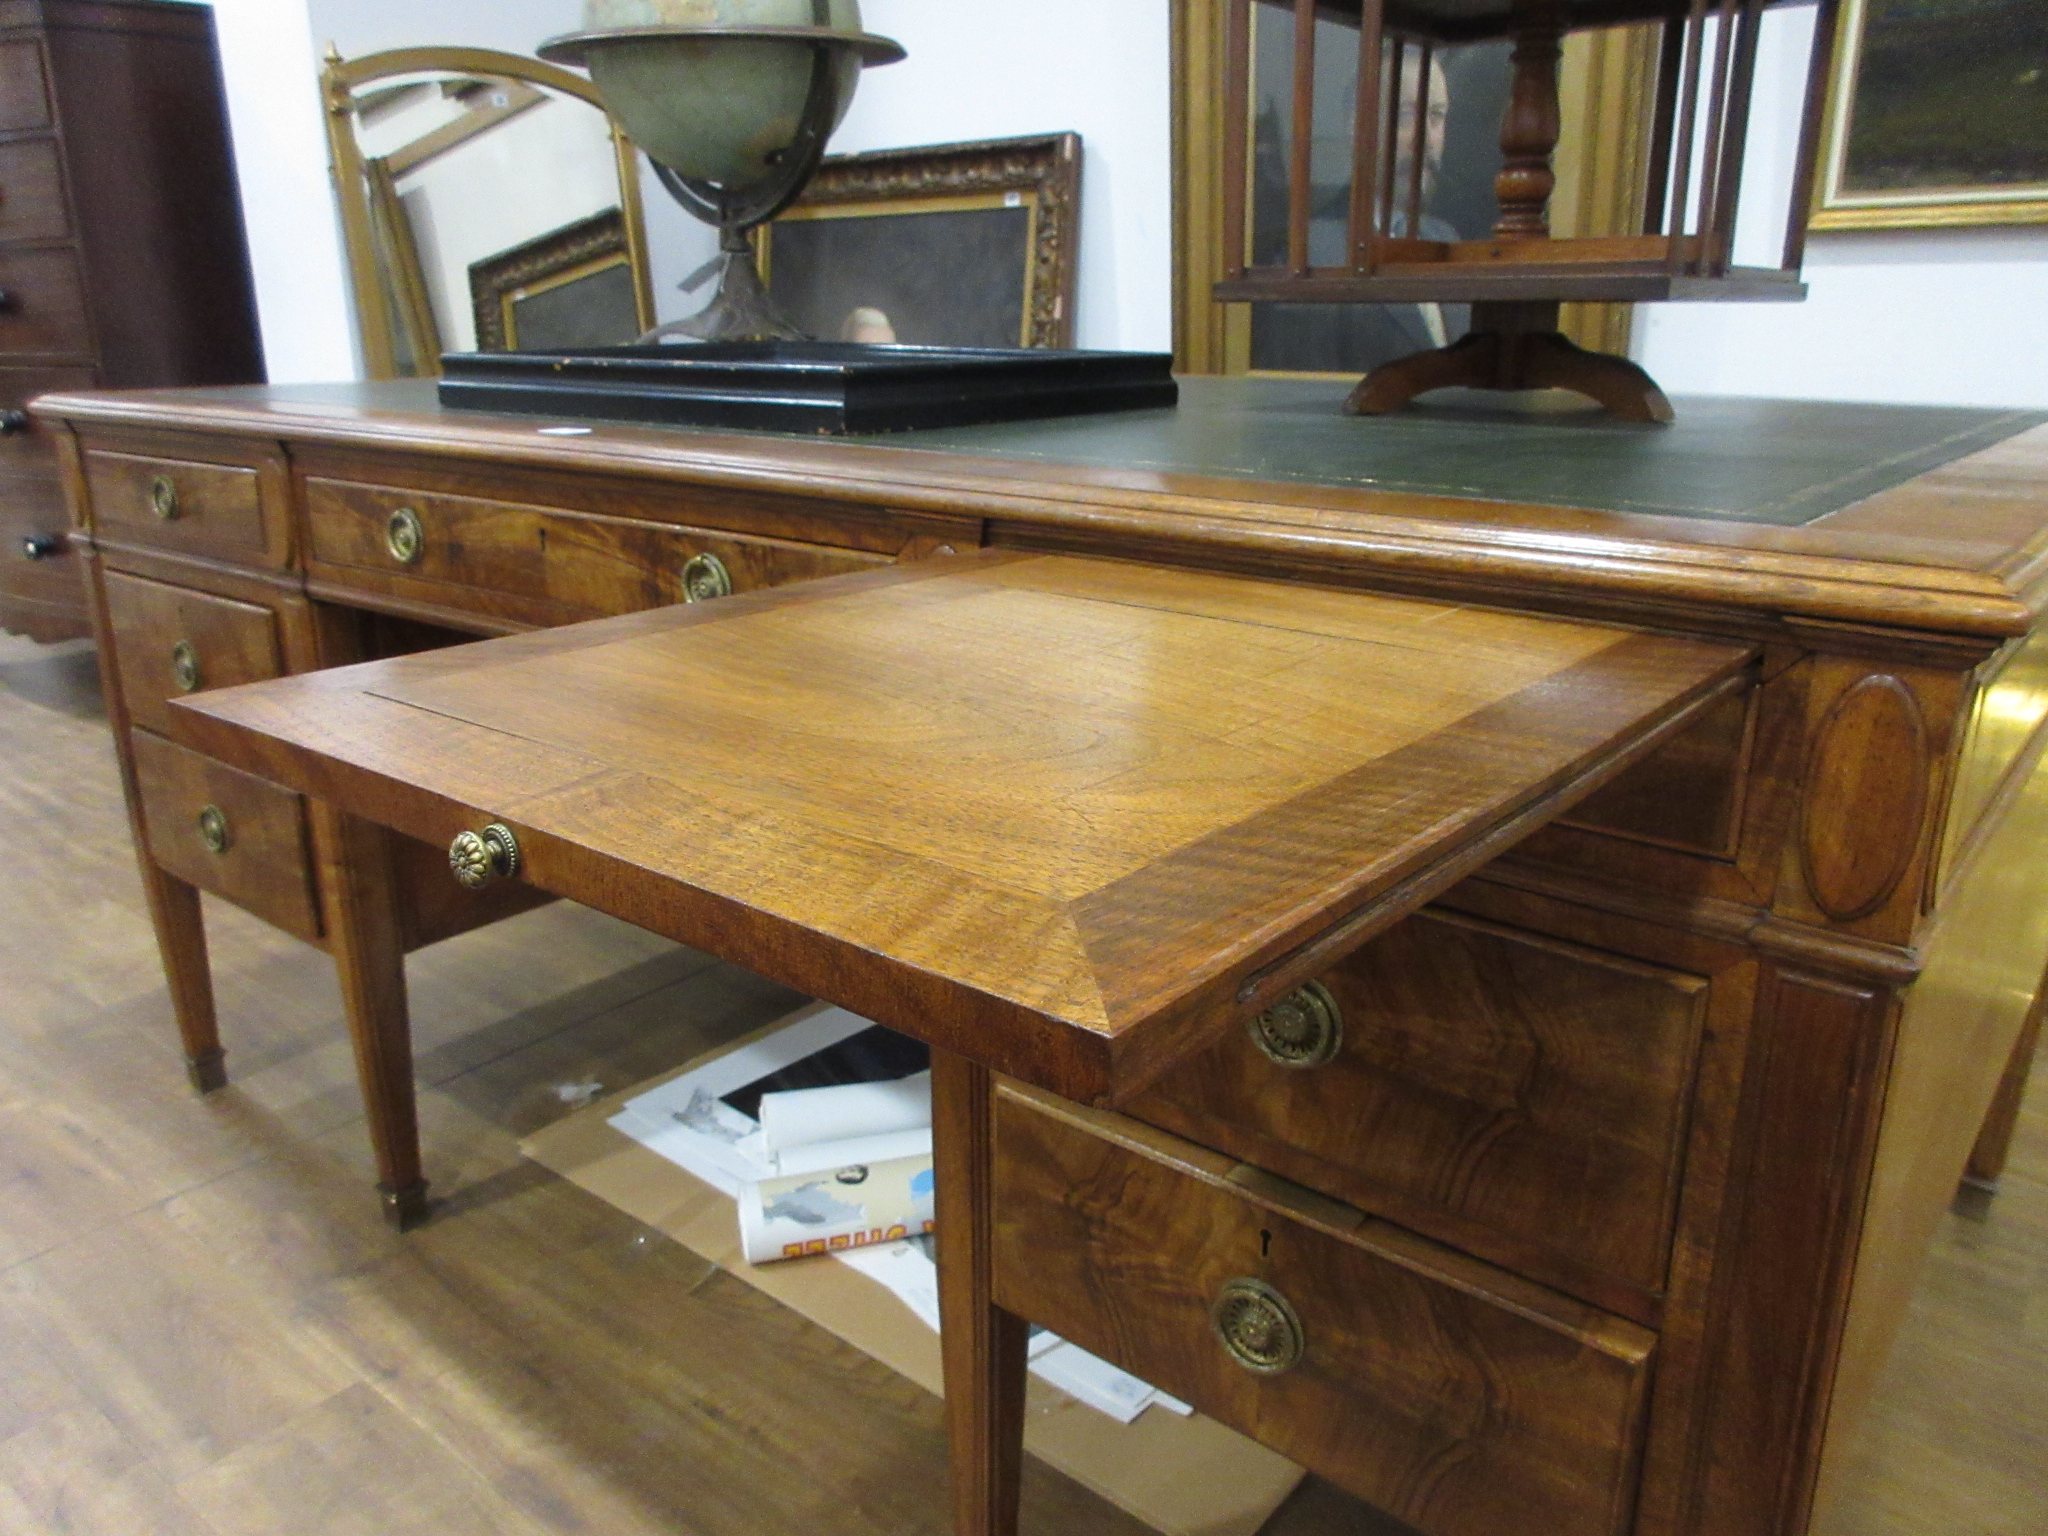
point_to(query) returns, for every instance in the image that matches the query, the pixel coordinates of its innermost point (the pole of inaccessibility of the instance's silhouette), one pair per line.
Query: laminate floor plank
(350, 1466)
(206, 1329)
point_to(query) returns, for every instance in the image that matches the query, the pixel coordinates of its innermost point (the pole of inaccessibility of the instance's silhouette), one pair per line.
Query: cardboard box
(1182, 1476)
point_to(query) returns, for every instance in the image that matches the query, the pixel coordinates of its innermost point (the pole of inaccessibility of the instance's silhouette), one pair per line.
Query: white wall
(1956, 317)
(266, 49)
(1100, 68)
(975, 71)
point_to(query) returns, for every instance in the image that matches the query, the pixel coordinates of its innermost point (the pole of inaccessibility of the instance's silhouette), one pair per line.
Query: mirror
(488, 204)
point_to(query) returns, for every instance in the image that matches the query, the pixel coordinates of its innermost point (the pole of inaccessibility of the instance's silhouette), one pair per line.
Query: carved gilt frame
(577, 251)
(1607, 90)
(357, 189)
(1918, 208)
(1044, 171)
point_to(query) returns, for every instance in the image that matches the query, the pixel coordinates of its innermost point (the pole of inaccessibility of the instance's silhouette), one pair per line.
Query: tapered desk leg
(1994, 1141)
(983, 1344)
(173, 905)
(181, 941)
(369, 957)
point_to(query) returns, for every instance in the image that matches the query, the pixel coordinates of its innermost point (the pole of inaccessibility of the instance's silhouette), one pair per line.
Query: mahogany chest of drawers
(122, 262)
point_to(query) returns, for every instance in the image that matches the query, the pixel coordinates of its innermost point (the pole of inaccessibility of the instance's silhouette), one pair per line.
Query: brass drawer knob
(163, 497)
(185, 667)
(1304, 1029)
(404, 536)
(213, 829)
(478, 858)
(1258, 1328)
(706, 577)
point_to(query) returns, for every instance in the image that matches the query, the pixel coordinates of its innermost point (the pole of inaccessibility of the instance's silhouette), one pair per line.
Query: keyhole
(1265, 1245)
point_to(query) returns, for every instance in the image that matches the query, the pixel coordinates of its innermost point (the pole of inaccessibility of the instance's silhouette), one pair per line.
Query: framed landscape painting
(1937, 115)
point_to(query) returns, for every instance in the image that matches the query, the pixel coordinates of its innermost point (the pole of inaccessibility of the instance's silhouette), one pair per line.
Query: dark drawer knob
(405, 536)
(704, 578)
(13, 422)
(43, 546)
(1304, 1029)
(1258, 1328)
(185, 667)
(163, 497)
(10, 301)
(478, 858)
(213, 829)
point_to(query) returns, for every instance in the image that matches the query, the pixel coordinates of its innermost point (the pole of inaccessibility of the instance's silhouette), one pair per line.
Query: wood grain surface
(1958, 550)
(1050, 812)
(1459, 1398)
(534, 1361)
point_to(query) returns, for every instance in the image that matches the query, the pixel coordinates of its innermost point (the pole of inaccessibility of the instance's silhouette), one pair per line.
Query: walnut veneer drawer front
(171, 640)
(31, 192)
(1471, 1080)
(42, 303)
(227, 832)
(542, 565)
(1463, 1400)
(213, 509)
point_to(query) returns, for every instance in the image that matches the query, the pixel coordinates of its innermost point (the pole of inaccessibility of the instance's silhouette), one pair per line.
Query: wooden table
(1680, 925)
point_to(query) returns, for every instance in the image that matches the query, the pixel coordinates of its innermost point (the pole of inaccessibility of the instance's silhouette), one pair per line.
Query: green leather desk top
(1784, 462)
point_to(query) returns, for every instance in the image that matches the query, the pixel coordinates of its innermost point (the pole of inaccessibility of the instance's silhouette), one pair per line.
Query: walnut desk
(1491, 997)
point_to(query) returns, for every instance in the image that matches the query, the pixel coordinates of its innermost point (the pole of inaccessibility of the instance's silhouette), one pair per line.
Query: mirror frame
(376, 318)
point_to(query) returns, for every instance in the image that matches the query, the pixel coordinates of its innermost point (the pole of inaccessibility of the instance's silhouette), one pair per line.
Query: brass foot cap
(405, 1208)
(207, 1072)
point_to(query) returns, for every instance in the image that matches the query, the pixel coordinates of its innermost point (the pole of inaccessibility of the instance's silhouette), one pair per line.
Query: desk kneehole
(1456, 1396)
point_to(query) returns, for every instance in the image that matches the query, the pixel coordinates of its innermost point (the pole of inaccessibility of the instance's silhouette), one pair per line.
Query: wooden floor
(206, 1331)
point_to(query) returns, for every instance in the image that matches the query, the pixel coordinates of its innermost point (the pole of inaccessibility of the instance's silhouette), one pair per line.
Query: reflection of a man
(1345, 338)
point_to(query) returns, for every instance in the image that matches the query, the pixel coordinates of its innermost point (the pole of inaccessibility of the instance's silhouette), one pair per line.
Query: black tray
(808, 386)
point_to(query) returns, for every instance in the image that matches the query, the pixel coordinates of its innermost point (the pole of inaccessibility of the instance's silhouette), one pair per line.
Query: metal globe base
(740, 309)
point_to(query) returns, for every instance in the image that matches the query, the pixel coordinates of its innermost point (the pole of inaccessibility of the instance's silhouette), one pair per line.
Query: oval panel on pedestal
(1860, 830)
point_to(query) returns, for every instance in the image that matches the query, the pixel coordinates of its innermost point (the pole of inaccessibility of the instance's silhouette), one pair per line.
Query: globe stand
(740, 309)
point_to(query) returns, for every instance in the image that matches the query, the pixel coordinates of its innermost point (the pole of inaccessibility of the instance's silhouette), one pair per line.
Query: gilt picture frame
(572, 287)
(1937, 116)
(947, 245)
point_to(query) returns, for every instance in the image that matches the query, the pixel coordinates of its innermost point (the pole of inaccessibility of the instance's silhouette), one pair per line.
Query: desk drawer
(1462, 1400)
(228, 832)
(42, 303)
(171, 640)
(32, 192)
(1520, 1096)
(540, 565)
(208, 509)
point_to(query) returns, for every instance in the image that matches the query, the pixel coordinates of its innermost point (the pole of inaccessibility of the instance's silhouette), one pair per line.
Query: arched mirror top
(488, 203)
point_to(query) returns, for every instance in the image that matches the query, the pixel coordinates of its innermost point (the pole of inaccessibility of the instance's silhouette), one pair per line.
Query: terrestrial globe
(733, 101)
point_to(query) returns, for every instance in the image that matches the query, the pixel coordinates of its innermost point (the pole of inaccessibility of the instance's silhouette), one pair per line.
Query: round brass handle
(1257, 1327)
(704, 578)
(478, 858)
(404, 536)
(213, 829)
(185, 667)
(163, 497)
(1304, 1029)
